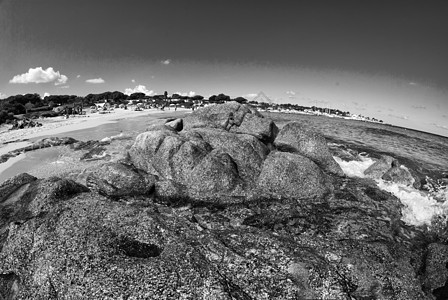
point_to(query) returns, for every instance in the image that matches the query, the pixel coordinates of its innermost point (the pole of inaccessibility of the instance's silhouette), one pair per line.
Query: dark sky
(216, 44)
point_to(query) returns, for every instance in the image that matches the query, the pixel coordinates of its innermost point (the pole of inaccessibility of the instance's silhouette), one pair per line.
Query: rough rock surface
(399, 175)
(378, 168)
(179, 219)
(245, 120)
(290, 175)
(293, 137)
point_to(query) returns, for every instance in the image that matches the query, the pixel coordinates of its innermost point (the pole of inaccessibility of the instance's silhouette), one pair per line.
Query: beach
(11, 140)
(58, 125)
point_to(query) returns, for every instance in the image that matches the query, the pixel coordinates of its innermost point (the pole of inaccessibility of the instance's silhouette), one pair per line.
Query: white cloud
(64, 87)
(39, 75)
(291, 93)
(189, 94)
(139, 89)
(133, 80)
(412, 83)
(419, 106)
(95, 80)
(2, 96)
(166, 62)
(45, 95)
(78, 76)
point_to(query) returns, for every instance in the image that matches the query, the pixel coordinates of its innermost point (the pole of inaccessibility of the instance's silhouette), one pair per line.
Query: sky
(382, 59)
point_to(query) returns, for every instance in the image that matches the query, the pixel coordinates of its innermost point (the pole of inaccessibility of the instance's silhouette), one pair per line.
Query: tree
(240, 100)
(28, 107)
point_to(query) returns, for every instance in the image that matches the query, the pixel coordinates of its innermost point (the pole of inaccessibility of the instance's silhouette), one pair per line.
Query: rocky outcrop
(287, 175)
(234, 117)
(378, 168)
(294, 138)
(206, 212)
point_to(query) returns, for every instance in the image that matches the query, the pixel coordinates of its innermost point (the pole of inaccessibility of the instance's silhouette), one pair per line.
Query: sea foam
(420, 207)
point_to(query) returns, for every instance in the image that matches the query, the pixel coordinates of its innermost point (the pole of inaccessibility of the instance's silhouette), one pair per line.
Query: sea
(425, 153)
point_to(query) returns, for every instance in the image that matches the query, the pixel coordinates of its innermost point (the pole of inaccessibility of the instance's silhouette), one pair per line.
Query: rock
(235, 117)
(400, 175)
(290, 175)
(435, 278)
(87, 247)
(294, 138)
(96, 153)
(166, 154)
(215, 175)
(118, 180)
(11, 185)
(176, 124)
(246, 150)
(378, 168)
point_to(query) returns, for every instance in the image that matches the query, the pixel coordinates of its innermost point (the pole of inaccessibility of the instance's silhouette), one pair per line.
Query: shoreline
(58, 125)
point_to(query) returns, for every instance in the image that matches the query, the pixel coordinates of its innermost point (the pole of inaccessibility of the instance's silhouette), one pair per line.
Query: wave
(420, 207)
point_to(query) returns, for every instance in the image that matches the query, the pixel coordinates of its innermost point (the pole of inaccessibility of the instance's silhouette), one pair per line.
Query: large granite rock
(118, 180)
(378, 168)
(209, 213)
(294, 138)
(235, 117)
(290, 175)
(84, 246)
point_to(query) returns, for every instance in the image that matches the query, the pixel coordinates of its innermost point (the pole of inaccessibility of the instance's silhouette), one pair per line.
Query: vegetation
(32, 105)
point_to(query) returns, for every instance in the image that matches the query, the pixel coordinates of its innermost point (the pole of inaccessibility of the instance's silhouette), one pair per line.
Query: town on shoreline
(33, 106)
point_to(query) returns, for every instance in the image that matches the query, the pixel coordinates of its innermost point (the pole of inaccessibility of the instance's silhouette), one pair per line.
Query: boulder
(290, 175)
(294, 138)
(234, 117)
(118, 180)
(215, 175)
(378, 168)
(246, 150)
(435, 278)
(11, 185)
(176, 124)
(400, 175)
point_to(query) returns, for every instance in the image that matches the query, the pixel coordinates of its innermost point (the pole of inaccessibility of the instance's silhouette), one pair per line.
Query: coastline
(53, 126)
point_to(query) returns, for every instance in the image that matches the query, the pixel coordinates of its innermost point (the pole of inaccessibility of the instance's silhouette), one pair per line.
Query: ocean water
(425, 153)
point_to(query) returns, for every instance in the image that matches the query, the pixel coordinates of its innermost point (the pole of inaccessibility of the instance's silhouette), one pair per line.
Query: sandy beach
(59, 125)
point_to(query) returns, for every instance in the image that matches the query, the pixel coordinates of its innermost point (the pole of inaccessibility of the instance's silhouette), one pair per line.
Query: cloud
(291, 93)
(419, 106)
(39, 75)
(166, 62)
(399, 117)
(189, 94)
(64, 87)
(133, 80)
(95, 80)
(2, 96)
(139, 89)
(412, 83)
(78, 76)
(444, 116)
(46, 95)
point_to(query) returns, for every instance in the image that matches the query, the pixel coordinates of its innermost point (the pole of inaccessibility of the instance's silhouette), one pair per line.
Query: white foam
(355, 168)
(419, 207)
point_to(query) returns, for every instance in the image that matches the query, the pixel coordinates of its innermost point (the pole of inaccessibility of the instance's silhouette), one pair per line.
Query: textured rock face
(116, 180)
(290, 175)
(294, 138)
(380, 167)
(245, 119)
(399, 175)
(208, 213)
